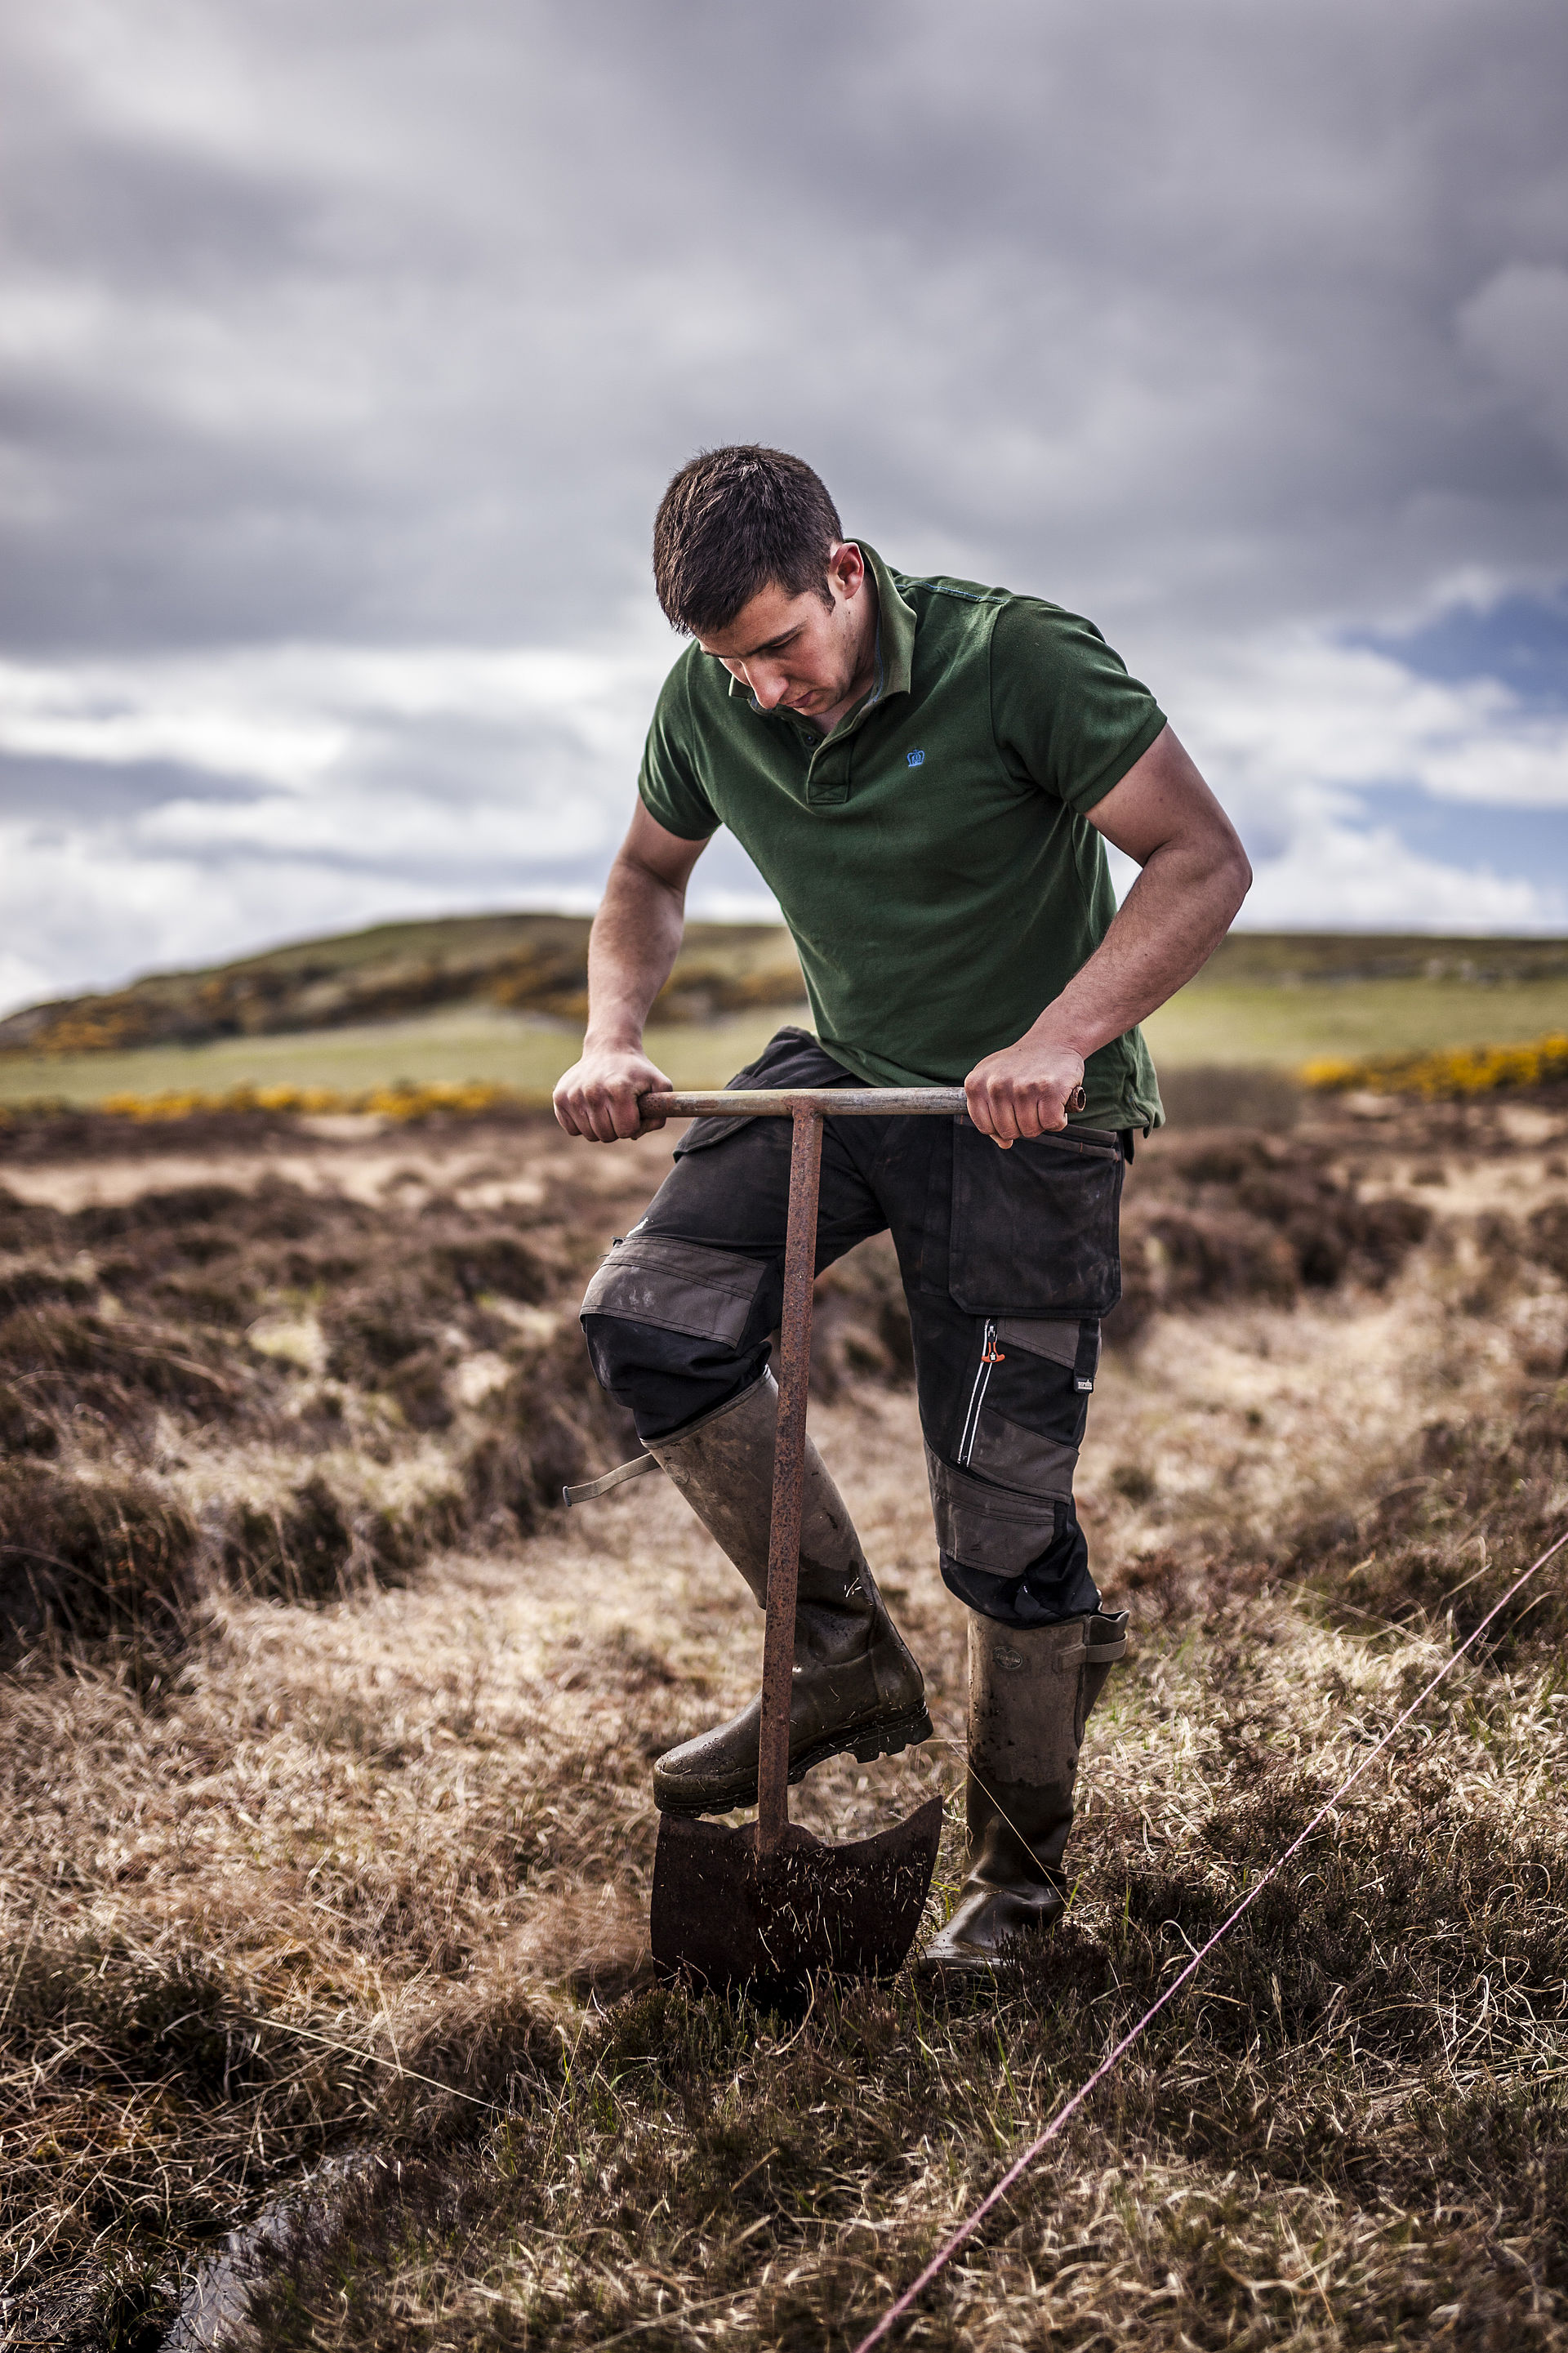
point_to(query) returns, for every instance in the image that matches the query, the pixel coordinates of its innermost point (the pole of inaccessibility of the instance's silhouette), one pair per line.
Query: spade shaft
(789, 1467)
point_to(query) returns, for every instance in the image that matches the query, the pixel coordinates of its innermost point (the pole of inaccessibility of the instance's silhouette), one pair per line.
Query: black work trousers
(1010, 1261)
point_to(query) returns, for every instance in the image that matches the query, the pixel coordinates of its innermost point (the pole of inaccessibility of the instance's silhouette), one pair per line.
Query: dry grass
(327, 1838)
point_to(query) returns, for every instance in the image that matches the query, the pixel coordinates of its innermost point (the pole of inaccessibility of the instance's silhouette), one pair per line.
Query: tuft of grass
(298, 1545)
(91, 1559)
(1472, 1503)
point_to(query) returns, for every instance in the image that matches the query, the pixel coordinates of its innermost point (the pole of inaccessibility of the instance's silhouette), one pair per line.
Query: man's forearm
(1195, 876)
(1170, 923)
(632, 948)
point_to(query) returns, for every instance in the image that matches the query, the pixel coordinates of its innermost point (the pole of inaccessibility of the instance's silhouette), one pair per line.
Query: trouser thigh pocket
(676, 1287)
(1002, 1531)
(1004, 1423)
(674, 1328)
(1023, 1415)
(1034, 1229)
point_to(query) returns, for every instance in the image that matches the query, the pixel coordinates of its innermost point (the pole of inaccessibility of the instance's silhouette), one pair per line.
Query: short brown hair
(736, 521)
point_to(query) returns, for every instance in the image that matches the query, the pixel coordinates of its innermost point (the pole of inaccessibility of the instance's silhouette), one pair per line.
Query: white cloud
(23, 980)
(360, 784)
(291, 716)
(1301, 717)
(1334, 879)
(1298, 732)
(98, 914)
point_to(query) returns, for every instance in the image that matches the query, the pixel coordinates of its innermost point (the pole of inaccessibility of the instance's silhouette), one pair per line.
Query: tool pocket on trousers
(998, 1529)
(998, 1445)
(676, 1287)
(1034, 1229)
(1075, 1346)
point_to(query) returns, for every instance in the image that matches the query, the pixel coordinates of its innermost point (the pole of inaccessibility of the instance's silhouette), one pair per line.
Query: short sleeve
(668, 782)
(1064, 709)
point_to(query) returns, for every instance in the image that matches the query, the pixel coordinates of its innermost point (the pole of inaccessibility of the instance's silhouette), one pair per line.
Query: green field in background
(1219, 1021)
(1214, 1022)
(462, 1042)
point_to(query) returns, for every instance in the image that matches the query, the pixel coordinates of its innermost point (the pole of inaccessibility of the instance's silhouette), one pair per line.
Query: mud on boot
(855, 1687)
(1031, 1692)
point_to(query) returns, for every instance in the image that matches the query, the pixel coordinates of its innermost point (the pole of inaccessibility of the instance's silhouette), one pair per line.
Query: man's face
(797, 653)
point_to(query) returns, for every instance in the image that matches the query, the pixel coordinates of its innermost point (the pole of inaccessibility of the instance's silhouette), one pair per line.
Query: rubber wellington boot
(1030, 1693)
(855, 1686)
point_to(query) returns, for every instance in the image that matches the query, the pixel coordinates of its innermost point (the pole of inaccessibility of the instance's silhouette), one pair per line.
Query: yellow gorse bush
(405, 1099)
(1451, 1071)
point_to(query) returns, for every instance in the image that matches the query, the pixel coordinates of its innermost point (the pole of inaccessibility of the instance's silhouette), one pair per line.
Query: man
(926, 773)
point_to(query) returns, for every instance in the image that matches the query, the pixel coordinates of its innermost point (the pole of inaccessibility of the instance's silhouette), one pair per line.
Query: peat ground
(325, 1738)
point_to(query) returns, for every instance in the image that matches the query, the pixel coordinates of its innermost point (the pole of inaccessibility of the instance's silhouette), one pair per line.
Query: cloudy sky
(347, 344)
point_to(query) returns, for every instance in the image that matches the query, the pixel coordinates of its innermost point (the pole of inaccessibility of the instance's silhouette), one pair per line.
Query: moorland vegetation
(325, 1734)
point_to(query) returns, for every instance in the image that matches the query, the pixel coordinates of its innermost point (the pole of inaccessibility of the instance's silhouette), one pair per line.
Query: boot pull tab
(591, 1489)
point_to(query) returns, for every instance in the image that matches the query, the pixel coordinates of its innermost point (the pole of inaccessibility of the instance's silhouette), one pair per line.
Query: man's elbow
(1230, 867)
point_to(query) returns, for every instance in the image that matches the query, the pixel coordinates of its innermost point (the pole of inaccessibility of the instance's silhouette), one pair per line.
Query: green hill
(503, 998)
(522, 963)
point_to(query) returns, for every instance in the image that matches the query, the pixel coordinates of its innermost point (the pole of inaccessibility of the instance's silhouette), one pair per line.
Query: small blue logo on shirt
(915, 759)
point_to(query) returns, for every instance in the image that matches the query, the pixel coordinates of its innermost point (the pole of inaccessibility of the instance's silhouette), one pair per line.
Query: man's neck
(865, 661)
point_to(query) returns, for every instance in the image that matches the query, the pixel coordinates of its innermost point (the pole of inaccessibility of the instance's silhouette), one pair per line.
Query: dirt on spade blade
(325, 1740)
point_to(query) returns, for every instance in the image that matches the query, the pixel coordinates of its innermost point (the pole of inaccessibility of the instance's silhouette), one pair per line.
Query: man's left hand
(1023, 1091)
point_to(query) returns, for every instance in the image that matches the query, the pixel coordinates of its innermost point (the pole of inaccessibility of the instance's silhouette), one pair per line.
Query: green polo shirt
(933, 855)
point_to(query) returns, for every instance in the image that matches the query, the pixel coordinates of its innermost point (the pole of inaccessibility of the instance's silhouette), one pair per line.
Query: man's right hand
(597, 1097)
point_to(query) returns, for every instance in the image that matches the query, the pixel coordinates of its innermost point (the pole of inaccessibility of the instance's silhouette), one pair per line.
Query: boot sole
(948, 1968)
(978, 1965)
(870, 1741)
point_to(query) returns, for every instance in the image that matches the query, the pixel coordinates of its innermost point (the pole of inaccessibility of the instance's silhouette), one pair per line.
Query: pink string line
(945, 2253)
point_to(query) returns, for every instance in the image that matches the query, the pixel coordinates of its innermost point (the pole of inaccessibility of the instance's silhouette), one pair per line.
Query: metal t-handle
(833, 1103)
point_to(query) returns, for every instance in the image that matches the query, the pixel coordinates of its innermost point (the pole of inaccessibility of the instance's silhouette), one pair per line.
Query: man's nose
(766, 685)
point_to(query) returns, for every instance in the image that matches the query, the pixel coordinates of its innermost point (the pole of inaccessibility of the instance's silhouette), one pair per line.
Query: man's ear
(846, 565)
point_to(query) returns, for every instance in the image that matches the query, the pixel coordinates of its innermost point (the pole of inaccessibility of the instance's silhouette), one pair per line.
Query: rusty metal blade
(731, 1915)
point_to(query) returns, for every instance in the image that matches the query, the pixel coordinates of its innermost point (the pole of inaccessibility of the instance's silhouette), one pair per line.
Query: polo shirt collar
(896, 623)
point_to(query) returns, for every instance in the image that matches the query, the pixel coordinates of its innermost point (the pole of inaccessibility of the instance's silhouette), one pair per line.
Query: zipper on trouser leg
(990, 1354)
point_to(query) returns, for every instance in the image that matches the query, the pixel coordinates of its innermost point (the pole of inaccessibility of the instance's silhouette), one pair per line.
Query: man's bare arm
(631, 948)
(1196, 875)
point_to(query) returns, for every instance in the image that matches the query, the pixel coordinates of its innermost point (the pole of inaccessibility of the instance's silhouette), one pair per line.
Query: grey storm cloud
(363, 325)
(403, 315)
